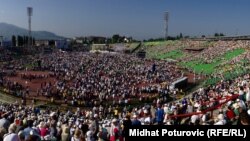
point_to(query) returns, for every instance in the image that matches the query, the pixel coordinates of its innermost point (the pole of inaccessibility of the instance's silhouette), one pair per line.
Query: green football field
(208, 68)
(175, 54)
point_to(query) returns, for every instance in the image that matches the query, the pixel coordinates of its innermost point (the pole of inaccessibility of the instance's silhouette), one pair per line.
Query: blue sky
(141, 19)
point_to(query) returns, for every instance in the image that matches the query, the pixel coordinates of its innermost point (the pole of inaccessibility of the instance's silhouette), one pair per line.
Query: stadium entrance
(180, 83)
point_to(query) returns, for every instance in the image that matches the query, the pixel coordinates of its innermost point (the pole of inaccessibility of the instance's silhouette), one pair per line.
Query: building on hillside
(79, 41)
(90, 39)
(6, 43)
(42, 43)
(96, 39)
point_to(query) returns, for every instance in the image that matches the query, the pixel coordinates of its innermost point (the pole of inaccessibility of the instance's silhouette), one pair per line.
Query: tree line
(22, 40)
(116, 38)
(180, 36)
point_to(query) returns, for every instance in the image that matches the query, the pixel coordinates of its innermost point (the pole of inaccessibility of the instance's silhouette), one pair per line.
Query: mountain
(7, 30)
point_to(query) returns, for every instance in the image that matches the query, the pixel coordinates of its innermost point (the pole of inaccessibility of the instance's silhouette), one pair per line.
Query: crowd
(105, 83)
(100, 123)
(5, 55)
(85, 78)
(31, 77)
(153, 50)
(217, 49)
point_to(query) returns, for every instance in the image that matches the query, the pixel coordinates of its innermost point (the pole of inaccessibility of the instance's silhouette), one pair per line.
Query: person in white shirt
(242, 104)
(194, 119)
(165, 108)
(11, 136)
(190, 108)
(221, 120)
(248, 97)
(4, 123)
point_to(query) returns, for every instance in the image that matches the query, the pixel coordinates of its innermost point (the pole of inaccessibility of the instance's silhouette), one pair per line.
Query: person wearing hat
(115, 132)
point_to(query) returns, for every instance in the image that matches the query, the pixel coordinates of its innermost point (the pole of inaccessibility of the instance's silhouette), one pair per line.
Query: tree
(216, 35)
(13, 40)
(221, 34)
(51, 42)
(203, 36)
(25, 40)
(108, 41)
(33, 41)
(29, 41)
(177, 37)
(181, 36)
(20, 40)
(130, 39)
(115, 38)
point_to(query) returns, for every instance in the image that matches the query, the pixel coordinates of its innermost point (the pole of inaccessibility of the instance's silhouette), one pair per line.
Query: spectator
(11, 135)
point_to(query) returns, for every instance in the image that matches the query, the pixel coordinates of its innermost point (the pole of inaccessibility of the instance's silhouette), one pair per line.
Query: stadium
(96, 88)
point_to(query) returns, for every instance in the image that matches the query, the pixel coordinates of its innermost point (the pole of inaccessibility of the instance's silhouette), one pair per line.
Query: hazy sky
(141, 19)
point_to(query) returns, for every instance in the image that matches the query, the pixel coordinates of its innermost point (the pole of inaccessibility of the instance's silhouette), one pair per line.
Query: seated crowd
(105, 84)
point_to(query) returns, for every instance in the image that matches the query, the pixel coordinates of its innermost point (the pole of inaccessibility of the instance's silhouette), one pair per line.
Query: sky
(141, 19)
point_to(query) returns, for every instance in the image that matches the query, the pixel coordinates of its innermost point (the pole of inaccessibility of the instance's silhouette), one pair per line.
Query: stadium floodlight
(30, 13)
(1, 41)
(166, 18)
